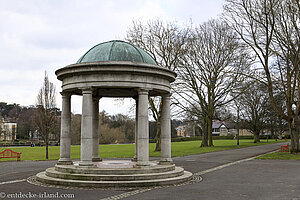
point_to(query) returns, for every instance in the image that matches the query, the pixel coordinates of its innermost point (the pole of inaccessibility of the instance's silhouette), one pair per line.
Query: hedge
(182, 139)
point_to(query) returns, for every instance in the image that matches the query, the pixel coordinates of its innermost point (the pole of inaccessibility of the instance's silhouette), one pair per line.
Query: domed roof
(116, 50)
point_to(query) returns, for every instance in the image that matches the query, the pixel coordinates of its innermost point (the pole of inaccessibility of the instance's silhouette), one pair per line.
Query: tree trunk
(256, 137)
(204, 142)
(294, 137)
(47, 144)
(209, 128)
(273, 132)
(238, 126)
(47, 157)
(157, 137)
(238, 136)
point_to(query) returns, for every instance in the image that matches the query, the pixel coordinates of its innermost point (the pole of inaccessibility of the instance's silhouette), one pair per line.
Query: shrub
(111, 135)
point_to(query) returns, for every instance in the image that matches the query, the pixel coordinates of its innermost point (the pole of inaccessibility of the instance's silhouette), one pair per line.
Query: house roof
(218, 124)
(230, 124)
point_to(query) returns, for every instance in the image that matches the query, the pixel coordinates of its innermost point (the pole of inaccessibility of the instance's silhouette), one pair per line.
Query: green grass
(281, 156)
(188, 148)
(127, 150)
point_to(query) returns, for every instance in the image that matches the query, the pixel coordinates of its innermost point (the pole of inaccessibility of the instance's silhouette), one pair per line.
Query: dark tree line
(117, 128)
(25, 117)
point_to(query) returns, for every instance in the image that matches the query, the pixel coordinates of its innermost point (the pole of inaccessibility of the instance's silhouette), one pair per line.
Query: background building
(8, 131)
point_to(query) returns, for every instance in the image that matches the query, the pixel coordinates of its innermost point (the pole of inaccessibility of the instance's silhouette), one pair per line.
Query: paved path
(226, 175)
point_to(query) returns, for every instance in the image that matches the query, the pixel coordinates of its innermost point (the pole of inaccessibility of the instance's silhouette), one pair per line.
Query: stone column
(143, 129)
(136, 128)
(87, 128)
(165, 131)
(65, 133)
(96, 157)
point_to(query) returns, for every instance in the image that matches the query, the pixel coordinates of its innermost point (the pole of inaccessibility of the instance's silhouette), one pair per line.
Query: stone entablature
(119, 77)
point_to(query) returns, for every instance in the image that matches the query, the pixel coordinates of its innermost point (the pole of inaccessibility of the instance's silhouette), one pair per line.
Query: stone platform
(114, 173)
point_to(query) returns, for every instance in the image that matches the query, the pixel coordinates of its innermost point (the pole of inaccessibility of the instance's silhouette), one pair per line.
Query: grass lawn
(127, 150)
(280, 156)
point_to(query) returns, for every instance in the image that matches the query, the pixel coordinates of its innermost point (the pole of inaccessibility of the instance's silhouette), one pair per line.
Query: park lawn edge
(127, 150)
(279, 156)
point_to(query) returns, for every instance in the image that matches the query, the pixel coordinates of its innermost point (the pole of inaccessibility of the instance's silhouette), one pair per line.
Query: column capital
(87, 90)
(66, 94)
(142, 91)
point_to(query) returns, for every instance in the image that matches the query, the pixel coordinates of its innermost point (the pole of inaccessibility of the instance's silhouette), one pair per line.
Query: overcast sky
(39, 35)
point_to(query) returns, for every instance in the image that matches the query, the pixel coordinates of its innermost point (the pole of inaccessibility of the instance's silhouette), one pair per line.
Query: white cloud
(40, 35)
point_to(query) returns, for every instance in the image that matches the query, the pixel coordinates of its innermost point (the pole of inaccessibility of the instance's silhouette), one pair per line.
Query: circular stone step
(114, 173)
(51, 172)
(42, 177)
(115, 168)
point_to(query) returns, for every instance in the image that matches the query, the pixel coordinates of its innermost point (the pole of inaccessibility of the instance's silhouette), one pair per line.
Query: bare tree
(75, 128)
(209, 71)
(46, 111)
(287, 50)
(238, 108)
(271, 29)
(164, 40)
(254, 106)
(26, 122)
(274, 122)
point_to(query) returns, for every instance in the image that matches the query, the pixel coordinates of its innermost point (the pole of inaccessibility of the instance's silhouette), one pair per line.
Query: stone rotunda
(114, 69)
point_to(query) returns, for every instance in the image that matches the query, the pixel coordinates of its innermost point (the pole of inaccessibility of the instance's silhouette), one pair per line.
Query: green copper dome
(116, 50)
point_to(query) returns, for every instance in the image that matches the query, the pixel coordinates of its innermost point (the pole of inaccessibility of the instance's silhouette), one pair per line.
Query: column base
(134, 159)
(86, 164)
(166, 161)
(64, 162)
(96, 159)
(142, 164)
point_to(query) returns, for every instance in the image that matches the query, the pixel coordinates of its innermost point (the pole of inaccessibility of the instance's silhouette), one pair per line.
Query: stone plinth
(114, 173)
